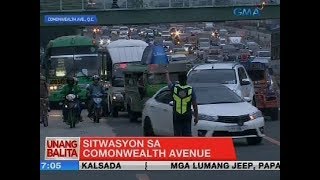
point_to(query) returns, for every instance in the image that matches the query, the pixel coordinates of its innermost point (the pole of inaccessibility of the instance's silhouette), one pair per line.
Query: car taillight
(123, 66)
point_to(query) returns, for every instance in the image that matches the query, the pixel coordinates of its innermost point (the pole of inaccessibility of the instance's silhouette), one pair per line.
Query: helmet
(95, 77)
(70, 80)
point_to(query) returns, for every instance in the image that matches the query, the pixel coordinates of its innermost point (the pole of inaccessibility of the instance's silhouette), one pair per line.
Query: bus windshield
(70, 65)
(57, 51)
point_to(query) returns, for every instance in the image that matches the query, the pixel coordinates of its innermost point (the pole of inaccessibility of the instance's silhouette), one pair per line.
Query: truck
(115, 59)
(266, 98)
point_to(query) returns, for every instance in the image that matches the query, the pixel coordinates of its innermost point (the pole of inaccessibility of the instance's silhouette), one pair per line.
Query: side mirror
(171, 103)
(247, 99)
(85, 72)
(245, 82)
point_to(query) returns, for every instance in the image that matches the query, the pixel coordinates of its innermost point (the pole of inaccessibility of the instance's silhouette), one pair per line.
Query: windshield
(221, 76)
(161, 78)
(256, 75)
(216, 95)
(56, 51)
(124, 29)
(117, 82)
(215, 57)
(74, 66)
(204, 40)
(204, 44)
(229, 49)
(165, 33)
(265, 54)
(240, 46)
(253, 46)
(178, 58)
(189, 29)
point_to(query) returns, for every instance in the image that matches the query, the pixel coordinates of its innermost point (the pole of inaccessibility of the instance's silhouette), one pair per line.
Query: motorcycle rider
(71, 88)
(95, 88)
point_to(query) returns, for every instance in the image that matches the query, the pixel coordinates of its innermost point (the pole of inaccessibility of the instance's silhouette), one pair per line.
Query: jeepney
(143, 81)
(115, 58)
(266, 97)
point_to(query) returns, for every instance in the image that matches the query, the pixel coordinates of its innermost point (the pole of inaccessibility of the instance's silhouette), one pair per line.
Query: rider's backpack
(154, 54)
(159, 55)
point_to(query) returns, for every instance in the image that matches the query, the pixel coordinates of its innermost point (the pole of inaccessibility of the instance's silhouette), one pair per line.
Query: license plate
(235, 128)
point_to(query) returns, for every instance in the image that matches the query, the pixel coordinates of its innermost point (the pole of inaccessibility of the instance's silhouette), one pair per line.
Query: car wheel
(254, 140)
(274, 114)
(254, 103)
(115, 112)
(132, 115)
(147, 127)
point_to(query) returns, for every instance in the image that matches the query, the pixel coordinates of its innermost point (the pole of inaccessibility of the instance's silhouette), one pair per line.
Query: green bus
(70, 56)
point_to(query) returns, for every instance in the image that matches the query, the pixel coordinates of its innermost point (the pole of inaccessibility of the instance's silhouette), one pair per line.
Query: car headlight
(207, 117)
(256, 115)
(53, 87)
(117, 96)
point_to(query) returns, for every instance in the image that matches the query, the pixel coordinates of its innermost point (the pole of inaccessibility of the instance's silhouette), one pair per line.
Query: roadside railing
(92, 5)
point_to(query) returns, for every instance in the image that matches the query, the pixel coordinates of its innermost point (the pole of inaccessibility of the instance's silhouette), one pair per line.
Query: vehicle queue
(216, 68)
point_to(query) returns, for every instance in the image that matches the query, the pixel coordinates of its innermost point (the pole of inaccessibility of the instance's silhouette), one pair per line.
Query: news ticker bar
(158, 165)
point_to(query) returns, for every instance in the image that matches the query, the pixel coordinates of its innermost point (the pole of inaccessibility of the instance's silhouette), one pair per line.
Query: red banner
(156, 149)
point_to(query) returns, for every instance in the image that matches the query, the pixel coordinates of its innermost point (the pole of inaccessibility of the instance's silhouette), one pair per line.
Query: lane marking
(272, 140)
(142, 177)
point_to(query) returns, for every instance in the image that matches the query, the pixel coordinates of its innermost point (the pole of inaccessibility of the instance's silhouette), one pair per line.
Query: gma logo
(247, 12)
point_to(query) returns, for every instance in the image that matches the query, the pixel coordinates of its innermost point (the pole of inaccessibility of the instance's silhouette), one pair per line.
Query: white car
(232, 75)
(222, 113)
(264, 54)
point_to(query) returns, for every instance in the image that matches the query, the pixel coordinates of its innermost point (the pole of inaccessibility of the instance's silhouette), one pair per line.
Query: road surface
(269, 150)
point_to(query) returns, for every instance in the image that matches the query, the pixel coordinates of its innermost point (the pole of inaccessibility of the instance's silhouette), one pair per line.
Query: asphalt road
(269, 150)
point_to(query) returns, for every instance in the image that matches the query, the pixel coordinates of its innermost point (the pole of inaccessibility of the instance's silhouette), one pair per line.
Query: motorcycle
(97, 107)
(72, 108)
